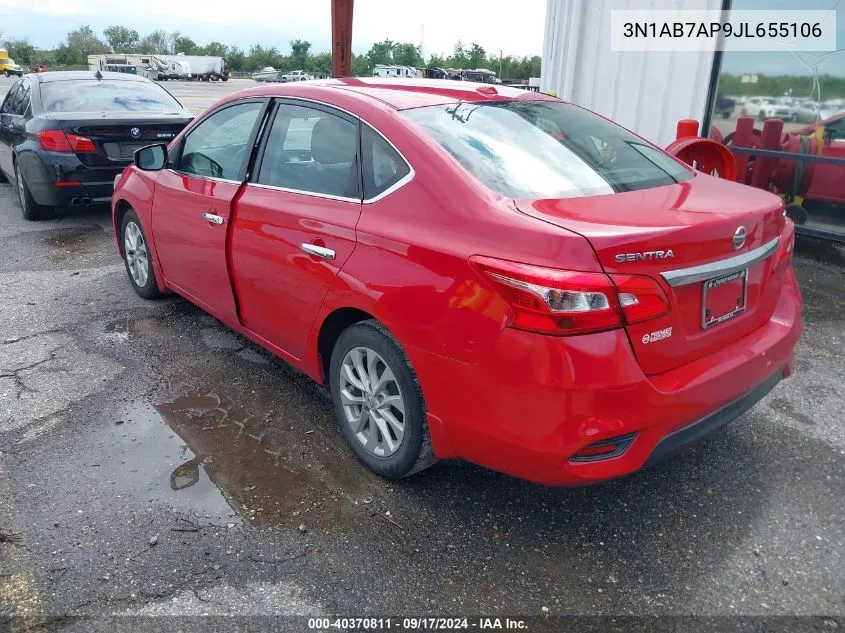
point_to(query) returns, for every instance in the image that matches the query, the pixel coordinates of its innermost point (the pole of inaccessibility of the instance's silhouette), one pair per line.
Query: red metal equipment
(342, 38)
(705, 155)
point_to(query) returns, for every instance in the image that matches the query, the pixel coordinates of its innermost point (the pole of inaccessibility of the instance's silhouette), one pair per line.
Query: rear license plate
(723, 298)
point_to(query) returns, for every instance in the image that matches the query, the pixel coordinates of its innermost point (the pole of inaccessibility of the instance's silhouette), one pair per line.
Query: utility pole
(500, 64)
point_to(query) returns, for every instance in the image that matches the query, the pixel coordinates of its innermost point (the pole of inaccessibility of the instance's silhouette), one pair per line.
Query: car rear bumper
(61, 180)
(534, 402)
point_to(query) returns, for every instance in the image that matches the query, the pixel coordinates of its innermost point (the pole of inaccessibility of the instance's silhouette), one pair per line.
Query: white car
(297, 75)
(764, 108)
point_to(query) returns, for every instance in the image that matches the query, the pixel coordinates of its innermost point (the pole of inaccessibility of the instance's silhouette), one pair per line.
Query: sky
(512, 26)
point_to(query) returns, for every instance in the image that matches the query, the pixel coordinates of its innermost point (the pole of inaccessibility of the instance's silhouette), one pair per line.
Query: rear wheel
(136, 256)
(378, 401)
(30, 209)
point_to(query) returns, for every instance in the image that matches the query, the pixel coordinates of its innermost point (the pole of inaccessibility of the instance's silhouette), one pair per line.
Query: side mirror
(152, 157)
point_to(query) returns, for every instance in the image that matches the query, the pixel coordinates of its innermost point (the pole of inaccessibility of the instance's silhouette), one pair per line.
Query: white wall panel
(646, 92)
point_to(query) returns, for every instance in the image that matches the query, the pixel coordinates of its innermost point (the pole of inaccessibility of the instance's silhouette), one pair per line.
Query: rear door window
(312, 150)
(21, 102)
(546, 149)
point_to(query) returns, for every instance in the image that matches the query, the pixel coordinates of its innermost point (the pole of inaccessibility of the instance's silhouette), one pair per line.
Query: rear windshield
(106, 96)
(546, 149)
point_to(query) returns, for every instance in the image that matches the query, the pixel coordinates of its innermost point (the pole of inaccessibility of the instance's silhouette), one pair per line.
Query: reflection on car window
(216, 148)
(312, 151)
(85, 95)
(545, 149)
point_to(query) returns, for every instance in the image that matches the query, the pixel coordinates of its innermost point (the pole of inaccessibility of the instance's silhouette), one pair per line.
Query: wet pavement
(154, 462)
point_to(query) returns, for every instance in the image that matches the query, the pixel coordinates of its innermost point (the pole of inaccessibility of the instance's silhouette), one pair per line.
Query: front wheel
(136, 256)
(379, 402)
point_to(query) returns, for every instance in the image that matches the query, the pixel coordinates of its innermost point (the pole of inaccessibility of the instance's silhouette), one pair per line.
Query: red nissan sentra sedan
(474, 271)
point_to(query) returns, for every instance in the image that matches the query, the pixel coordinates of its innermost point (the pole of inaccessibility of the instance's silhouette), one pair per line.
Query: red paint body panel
(516, 401)
(280, 288)
(191, 250)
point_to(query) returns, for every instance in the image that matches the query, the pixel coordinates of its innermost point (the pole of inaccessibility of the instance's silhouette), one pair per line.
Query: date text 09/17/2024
(416, 624)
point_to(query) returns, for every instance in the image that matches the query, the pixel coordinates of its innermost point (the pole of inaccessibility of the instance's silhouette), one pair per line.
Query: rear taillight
(640, 297)
(58, 141)
(552, 301)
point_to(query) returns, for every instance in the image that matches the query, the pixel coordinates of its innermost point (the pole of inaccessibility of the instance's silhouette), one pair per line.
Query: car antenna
(98, 75)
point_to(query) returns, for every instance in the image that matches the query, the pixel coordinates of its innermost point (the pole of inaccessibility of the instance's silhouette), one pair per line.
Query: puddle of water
(222, 456)
(71, 244)
(150, 461)
(124, 329)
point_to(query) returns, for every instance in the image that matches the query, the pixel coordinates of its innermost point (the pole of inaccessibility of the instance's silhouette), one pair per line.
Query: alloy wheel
(137, 257)
(21, 188)
(372, 401)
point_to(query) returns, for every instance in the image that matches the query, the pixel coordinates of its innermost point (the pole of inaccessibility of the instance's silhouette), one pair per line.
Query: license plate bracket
(723, 298)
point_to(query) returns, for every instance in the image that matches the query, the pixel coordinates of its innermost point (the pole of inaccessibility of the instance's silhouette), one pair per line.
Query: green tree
(381, 53)
(361, 66)
(459, 58)
(67, 56)
(408, 55)
(184, 44)
(237, 59)
(259, 57)
(321, 65)
(20, 50)
(476, 56)
(300, 54)
(214, 48)
(156, 43)
(121, 39)
(435, 61)
(84, 41)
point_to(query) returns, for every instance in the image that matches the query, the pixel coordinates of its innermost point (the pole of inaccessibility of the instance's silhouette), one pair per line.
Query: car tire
(357, 347)
(137, 257)
(30, 209)
(794, 117)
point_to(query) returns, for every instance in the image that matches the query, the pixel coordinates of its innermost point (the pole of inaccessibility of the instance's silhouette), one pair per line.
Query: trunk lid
(681, 236)
(118, 135)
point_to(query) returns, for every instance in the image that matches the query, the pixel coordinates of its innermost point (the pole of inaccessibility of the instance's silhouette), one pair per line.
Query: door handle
(319, 251)
(213, 218)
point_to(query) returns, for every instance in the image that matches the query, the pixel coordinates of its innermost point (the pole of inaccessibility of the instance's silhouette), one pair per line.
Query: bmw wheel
(136, 256)
(378, 401)
(30, 209)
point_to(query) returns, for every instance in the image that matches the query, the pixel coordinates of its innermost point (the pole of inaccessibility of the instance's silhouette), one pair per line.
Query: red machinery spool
(705, 155)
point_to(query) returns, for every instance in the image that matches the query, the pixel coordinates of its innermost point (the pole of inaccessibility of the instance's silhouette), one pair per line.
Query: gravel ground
(152, 462)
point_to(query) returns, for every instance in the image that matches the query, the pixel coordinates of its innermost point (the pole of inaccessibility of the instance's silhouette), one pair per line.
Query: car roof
(77, 75)
(403, 94)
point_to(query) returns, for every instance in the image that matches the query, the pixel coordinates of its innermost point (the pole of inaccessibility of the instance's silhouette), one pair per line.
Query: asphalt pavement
(152, 462)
